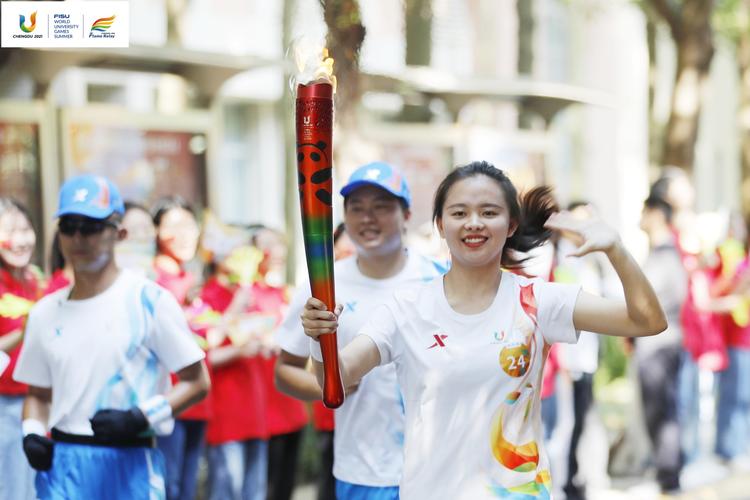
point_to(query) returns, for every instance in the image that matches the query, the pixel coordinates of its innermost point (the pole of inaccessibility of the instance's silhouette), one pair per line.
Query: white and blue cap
(91, 196)
(382, 175)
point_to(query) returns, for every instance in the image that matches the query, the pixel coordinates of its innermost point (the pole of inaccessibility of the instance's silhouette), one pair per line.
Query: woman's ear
(512, 229)
(439, 224)
(122, 233)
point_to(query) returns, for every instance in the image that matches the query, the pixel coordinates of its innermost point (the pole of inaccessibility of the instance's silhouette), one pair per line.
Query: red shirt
(737, 336)
(551, 367)
(179, 284)
(12, 293)
(238, 389)
(57, 282)
(322, 417)
(284, 414)
(701, 330)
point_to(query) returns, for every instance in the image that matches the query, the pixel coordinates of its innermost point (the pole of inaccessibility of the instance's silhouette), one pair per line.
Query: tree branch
(667, 14)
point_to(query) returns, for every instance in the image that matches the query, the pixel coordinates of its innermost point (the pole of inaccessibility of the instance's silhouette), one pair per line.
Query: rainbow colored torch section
(314, 119)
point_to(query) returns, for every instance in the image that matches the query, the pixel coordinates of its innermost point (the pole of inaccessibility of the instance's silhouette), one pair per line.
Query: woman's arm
(640, 315)
(11, 340)
(293, 379)
(356, 360)
(192, 386)
(36, 404)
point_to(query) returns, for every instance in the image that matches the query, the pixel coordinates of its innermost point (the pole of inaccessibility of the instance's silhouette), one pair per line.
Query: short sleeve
(171, 339)
(382, 328)
(32, 367)
(555, 305)
(290, 335)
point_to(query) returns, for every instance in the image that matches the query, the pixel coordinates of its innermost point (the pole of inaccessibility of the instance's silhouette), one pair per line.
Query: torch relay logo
(101, 26)
(22, 23)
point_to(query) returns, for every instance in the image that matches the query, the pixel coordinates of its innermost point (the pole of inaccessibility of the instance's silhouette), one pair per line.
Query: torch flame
(313, 63)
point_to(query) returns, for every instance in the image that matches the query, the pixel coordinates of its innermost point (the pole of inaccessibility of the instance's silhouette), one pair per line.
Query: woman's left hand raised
(591, 234)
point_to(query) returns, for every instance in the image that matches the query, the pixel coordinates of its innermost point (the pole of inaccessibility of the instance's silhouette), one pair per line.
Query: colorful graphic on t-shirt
(516, 360)
(538, 489)
(136, 379)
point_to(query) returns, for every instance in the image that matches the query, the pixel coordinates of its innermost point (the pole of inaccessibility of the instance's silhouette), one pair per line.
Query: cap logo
(80, 195)
(103, 198)
(372, 174)
(396, 181)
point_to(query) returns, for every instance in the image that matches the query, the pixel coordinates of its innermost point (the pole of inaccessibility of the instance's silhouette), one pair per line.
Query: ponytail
(536, 206)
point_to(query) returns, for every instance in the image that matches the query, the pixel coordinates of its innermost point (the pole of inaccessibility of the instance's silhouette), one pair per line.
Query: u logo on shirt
(498, 336)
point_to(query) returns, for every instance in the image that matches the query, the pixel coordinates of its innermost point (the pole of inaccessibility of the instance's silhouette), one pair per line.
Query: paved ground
(705, 480)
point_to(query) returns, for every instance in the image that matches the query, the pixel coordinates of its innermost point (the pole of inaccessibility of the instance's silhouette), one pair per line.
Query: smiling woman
(480, 210)
(19, 289)
(471, 397)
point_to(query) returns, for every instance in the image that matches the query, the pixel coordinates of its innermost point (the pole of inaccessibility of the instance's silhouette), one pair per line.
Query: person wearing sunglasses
(97, 357)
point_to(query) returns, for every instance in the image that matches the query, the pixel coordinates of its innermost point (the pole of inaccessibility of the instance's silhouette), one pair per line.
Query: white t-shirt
(114, 350)
(368, 442)
(471, 386)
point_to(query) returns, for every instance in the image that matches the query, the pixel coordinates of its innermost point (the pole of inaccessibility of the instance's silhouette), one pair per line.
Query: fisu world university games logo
(22, 23)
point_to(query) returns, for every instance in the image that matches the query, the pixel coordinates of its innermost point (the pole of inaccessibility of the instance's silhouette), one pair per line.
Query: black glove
(119, 424)
(39, 451)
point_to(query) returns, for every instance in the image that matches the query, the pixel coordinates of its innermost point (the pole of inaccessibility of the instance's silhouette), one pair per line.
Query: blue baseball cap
(382, 175)
(89, 195)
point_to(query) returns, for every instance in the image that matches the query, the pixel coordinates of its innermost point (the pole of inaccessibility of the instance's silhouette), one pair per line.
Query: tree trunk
(682, 129)
(525, 63)
(418, 32)
(285, 107)
(418, 17)
(345, 36)
(525, 12)
(693, 37)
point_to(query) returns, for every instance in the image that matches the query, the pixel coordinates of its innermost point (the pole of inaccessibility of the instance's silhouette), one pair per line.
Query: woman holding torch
(368, 440)
(469, 348)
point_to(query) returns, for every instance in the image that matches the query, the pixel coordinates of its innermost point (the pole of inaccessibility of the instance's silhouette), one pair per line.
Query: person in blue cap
(368, 439)
(97, 357)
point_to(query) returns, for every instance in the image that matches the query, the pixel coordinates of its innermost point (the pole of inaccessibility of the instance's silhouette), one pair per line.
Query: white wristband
(315, 352)
(156, 409)
(33, 426)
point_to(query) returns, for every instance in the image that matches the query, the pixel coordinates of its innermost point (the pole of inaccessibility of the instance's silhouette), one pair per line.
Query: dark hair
(577, 204)
(660, 187)
(167, 203)
(56, 258)
(338, 232)
(528, 212)
(134, 205)
(8, 204)
(656, 203)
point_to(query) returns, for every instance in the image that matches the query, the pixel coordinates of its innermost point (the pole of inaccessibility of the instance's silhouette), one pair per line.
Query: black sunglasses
(85, 225)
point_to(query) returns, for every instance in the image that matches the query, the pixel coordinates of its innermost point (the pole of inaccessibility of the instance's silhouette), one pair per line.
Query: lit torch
(315, 85)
